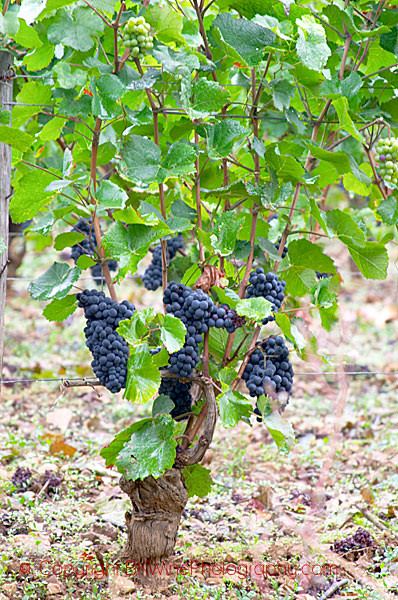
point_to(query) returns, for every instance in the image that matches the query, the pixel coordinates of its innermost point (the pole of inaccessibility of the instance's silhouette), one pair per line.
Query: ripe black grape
(179, 393)
(198, 312)
(152, 278)
(109, 349)
(268, 286)
(89, 246)
(269, 370)
(285, 248)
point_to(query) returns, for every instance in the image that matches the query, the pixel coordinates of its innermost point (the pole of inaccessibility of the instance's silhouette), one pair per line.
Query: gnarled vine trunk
(157, 505)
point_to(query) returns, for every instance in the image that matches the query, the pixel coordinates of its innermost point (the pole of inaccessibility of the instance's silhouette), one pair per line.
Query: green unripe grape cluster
(387, 158)
(137, 37)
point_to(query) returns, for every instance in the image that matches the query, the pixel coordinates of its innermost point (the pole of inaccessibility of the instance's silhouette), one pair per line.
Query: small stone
(123, 585)
(10, 589)
(46, 466)
(53, 589)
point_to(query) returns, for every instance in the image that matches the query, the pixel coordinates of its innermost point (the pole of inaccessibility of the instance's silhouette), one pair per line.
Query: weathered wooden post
(6, 61)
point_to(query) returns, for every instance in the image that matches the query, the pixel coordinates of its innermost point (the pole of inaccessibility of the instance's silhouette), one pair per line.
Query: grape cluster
(109, 349)
(88, 246)
(268, 286)
(198, 313)
(179, 393)
(269, 370)
(137, 37)
(225, 317)
(354, 546)
(152, 278)
(285, 249)
(387, 157)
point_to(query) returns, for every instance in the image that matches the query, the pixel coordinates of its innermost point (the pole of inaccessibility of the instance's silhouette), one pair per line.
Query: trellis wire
(92, 380)
(169, 111)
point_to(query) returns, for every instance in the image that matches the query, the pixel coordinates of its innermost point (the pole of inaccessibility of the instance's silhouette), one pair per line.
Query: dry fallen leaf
(210, 276)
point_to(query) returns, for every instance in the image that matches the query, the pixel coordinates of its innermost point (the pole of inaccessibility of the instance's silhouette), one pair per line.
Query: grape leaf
(20, 140)
(233, 406)
(172, 333)
(56, 282)
(59, 310)
(66, 240)
(112, 450)
(281, 431)
(254, 308)
(162, 404)
(75, 31)
(311, 46)
(143, 377)
(150, 451)
(198, 481)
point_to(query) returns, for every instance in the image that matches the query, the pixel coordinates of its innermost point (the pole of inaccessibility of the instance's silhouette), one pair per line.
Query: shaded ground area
(268, 525)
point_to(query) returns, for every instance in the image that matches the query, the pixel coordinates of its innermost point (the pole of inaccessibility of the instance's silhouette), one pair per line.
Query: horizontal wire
(303, 373)
(170, 111)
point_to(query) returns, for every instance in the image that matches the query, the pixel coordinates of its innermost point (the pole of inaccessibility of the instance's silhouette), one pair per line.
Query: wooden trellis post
(6, 61)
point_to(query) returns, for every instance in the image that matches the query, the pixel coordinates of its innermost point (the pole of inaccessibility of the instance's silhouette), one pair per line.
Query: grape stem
(97, 229)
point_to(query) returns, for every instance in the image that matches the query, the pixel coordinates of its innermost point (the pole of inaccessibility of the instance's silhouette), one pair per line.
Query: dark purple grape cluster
(88, 246)
(354, 546)
(226, 317)
(198, 312)
(269, 370)
(285, 248)
(22, 478)
(179, 393)
(152, 278)
(268, 286)
(109, 349)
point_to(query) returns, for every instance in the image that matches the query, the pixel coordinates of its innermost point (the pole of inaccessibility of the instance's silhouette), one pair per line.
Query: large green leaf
(341, 106)
(208, 97)
(388, 210)
(143, 377)
(112, 450)
(281, 431)
(222, 136)
(304, 257)
(254, 308)
(143, 159)
(225, 231)
(241, 39)
(179, 160)
(198, 480)
(172, 333)
(371, 259)
(56, 282)
(20, 140)
(75, 31)
(129, 246)
(29, 195)
(312, 48)
(233, 406)
(110, 195)
(59, 310)
(344, 226)
(150, 451)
